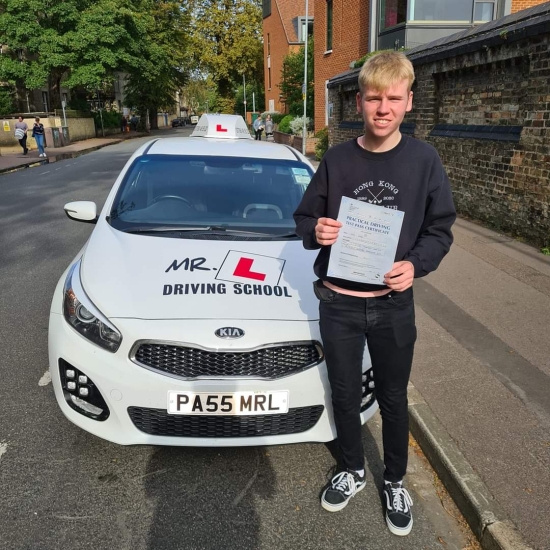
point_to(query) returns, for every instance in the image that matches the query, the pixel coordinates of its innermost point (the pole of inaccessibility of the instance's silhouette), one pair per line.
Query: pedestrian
(124, 124)
(258, 128)
(38, 135)
(134, 122)
(21, 129)
(405, 174)
(268, 128)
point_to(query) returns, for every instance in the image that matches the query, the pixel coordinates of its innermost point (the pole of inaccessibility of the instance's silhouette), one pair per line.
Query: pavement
(12, 161)
(479, 390)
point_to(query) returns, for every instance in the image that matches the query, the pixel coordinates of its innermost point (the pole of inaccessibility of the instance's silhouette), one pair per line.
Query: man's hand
(400, 277)
(326, 231)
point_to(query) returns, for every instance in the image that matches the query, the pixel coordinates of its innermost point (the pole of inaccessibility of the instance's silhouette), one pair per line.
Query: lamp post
(244, 97)
(304, 88)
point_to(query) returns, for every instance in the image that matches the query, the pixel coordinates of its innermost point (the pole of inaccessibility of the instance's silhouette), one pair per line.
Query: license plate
(235, 403)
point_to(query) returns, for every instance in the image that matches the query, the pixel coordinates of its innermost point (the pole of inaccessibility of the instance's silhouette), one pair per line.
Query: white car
(189, 316)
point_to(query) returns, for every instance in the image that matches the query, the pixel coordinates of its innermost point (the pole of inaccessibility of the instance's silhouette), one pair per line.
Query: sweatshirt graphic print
(410, 177)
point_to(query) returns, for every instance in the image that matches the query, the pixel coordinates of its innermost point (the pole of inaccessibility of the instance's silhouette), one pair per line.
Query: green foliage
(162, 71)
(545, 250)
(292, 79)
(111, 119)
(252, 87)
(226, 43)
(284, 125)
(84, 39)
(79, 104)
(277, 117)
(6, 102)
(322, 143)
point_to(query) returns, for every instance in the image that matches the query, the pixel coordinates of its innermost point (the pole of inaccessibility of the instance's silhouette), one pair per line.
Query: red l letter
(243, 270)
(220, 129)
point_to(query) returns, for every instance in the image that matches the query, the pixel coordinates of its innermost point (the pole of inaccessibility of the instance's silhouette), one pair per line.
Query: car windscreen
(167, 192)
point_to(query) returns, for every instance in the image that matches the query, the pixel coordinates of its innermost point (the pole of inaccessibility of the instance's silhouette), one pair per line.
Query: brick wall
(349, 43)
(278, 46)
(518, 5)
(498, 89)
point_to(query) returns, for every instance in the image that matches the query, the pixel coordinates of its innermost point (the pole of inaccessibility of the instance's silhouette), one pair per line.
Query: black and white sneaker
(398, 508)
(340, 489)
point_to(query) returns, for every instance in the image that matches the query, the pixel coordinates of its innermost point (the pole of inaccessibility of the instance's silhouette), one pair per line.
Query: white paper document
(367, 242)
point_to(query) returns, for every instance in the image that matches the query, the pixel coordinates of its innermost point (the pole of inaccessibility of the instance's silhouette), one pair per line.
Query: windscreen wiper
(205, 228)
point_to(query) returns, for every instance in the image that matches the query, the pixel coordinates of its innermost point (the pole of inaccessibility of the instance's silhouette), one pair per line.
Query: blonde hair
(383, 70)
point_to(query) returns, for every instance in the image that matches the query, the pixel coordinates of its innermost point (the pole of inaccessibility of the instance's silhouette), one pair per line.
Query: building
(284, 30)
(345, 30)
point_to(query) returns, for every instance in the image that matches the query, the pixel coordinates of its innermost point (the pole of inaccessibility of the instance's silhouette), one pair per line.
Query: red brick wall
(518, 5)
(350, 36)
(273, 26)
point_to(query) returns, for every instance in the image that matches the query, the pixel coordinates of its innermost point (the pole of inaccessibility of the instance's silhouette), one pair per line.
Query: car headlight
(84, 317)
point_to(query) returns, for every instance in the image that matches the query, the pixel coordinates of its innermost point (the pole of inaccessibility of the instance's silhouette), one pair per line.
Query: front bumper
(131, 391)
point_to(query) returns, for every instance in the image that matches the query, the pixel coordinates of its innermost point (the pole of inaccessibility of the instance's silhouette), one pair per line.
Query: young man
(403, 173)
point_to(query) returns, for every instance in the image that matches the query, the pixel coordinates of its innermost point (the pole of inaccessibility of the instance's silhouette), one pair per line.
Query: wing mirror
(82, 211)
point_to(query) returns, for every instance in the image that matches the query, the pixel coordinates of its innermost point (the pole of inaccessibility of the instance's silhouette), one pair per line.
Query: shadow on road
(205, 498)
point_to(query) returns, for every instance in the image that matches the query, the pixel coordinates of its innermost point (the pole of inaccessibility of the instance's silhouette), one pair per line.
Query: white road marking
(46, 379)
(46, 172)
(3, 448)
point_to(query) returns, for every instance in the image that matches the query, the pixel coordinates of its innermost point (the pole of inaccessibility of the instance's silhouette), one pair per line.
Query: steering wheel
(172, 197)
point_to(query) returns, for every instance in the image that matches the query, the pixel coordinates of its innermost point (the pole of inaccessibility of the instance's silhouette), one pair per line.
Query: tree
(292, 79)
(84, 39)
(227, 44)
(163, 69)
(6, 101)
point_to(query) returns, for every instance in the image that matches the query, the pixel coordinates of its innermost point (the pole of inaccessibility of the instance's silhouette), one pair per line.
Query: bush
(297, 125)
(322, 143)
(111, 119)
(284, 125)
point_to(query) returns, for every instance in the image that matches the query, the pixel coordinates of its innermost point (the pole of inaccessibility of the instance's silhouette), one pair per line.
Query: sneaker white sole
(337, 507)
(400, 532)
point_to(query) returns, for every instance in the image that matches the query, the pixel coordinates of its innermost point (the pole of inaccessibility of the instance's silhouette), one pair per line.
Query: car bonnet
(152, 277)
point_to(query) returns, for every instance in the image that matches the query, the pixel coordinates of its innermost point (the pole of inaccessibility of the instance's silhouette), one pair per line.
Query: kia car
(189, 317)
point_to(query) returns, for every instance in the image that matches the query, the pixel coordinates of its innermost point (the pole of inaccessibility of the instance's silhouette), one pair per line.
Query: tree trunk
(54, 86)
(153, 119)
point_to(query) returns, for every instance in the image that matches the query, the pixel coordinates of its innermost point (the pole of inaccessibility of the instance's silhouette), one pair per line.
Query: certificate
(367, 242)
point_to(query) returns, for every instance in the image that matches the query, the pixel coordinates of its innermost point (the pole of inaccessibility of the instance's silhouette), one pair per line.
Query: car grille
(267, 363)
(159, 422)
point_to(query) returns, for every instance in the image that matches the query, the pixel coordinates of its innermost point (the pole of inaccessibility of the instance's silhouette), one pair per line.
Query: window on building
(329, 25)
(484, 11)
(268, 45)
(269, 78)
(440, 10)
(45, 101)
(393, 12)
(302, 28)
(266, 8)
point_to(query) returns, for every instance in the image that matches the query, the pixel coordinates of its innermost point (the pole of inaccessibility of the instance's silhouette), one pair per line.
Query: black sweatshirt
(410, 177)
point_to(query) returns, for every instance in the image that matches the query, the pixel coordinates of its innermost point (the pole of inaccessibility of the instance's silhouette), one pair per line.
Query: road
(64, 488)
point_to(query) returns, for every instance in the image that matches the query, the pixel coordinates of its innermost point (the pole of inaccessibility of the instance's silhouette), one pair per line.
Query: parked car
(189, 317)
(179, 122)
(194, 119)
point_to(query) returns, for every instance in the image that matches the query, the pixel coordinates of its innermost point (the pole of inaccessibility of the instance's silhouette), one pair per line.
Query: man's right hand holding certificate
(326, 231)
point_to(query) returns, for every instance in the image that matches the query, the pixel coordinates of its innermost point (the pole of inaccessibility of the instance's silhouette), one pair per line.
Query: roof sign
(221, 126)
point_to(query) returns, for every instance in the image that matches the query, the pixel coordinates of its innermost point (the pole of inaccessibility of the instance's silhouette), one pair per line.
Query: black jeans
(387, 324)
(23, 143)
(258, 134)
